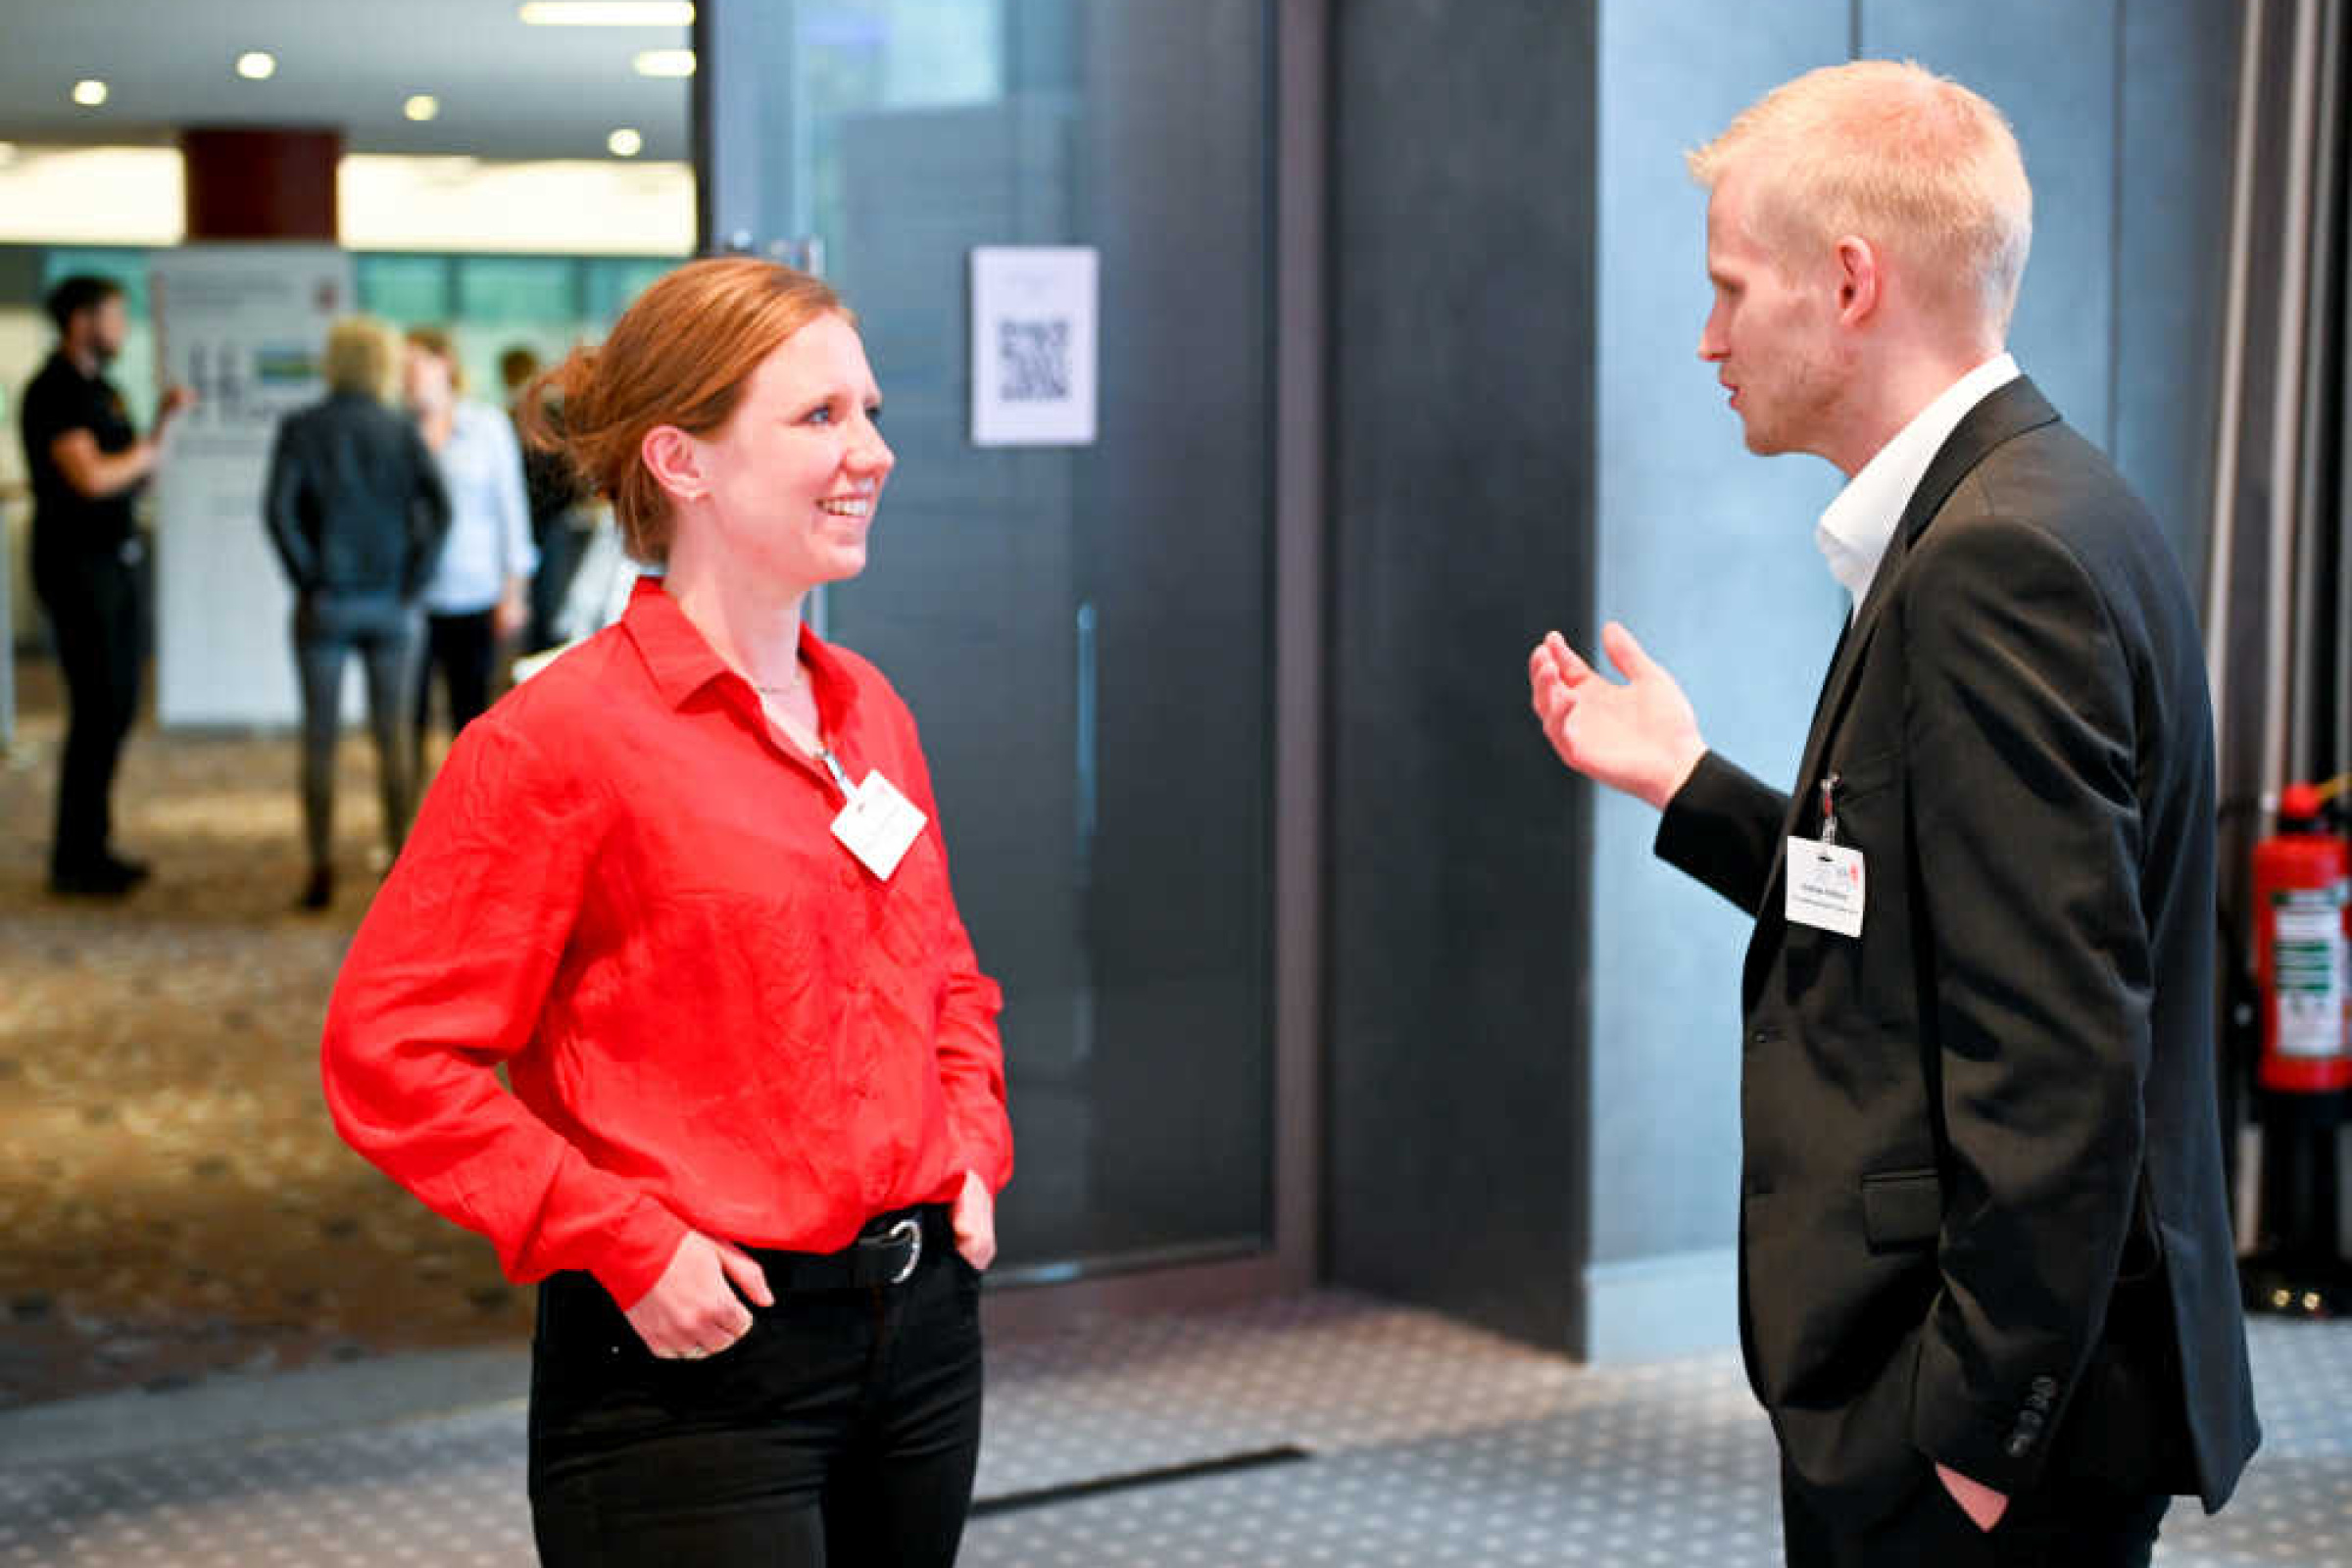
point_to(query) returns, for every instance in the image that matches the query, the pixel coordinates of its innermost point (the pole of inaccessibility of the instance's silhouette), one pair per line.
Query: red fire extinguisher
(2302, 877)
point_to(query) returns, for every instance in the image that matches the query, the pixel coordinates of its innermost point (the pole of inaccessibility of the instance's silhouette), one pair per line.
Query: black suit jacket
(1982, 1218)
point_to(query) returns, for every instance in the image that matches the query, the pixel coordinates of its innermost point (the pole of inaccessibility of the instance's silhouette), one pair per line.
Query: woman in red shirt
(687, 886)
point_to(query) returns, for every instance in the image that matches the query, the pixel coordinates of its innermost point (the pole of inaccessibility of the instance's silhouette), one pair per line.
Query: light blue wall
(2058, 86)
(1706, 552)
(2180, 96)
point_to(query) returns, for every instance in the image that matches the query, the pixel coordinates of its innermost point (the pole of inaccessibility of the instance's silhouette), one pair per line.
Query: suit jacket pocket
(1901, 1209)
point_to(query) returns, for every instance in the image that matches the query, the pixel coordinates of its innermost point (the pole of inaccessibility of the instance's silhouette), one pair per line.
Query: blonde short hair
(1892, 152)
(363, 356)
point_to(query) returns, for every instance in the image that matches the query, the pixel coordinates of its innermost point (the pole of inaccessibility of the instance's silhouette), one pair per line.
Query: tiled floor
(1427, 1444)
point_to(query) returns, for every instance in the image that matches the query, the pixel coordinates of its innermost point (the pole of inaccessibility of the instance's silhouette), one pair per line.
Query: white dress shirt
(489, 520)
(1858, 526)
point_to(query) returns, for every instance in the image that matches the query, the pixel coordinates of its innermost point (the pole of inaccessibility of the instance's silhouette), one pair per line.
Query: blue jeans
(385, 632)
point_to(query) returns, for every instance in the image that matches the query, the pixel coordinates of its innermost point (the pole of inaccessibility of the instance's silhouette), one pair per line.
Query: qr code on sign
(1033, 361)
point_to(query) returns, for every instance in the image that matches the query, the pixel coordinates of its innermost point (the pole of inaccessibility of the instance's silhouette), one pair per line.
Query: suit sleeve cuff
(2004, 1447)
(1721, 829)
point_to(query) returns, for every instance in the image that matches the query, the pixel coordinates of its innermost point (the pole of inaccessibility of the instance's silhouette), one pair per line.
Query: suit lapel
(2008, 410)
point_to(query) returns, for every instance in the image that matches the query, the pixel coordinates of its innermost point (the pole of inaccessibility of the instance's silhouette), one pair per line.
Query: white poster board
(244, 327)
(1033, 345)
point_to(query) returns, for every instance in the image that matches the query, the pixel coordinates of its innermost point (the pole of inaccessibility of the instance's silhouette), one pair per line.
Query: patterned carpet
(172, 1200)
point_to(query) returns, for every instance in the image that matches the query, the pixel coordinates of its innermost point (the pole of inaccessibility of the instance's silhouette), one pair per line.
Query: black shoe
(104, 880)
(319, 891)
(133, 871)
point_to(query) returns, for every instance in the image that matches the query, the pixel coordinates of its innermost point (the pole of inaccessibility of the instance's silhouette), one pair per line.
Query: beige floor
(172, 1200)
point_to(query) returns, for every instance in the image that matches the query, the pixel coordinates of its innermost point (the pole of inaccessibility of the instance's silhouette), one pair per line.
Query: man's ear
(673, 459)
(1859, 280)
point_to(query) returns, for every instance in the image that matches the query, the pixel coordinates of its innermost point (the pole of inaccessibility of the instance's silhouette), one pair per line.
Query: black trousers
(93, 606)
(2066, 1523)
(464, 648)
(841, 1432)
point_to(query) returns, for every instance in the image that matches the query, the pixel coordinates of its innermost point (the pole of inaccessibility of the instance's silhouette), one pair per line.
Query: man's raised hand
(1639, 736)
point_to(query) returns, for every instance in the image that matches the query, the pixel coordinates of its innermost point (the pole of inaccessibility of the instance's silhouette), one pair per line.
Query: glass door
(1082, 631)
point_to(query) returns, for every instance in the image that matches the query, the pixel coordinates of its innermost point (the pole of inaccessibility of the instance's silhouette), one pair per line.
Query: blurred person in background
(357, 512)
(478, 595)
(86, 466)
(562, 522)
(672, 885)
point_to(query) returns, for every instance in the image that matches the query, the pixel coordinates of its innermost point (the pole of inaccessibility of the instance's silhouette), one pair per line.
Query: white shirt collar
(1858, 526)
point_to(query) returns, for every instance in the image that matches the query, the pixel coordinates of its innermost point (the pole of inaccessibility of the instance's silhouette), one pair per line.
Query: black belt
(886, 1252)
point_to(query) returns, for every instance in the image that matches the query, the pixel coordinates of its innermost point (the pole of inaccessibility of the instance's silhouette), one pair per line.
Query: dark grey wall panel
(1461, 433)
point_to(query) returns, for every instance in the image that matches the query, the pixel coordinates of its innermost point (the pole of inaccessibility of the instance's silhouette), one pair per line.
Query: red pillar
(250, 183)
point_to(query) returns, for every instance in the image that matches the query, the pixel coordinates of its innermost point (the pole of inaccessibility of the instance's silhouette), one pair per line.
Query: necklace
(799, 678)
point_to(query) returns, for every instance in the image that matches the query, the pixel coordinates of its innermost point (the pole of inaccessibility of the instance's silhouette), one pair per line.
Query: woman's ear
(673, 459)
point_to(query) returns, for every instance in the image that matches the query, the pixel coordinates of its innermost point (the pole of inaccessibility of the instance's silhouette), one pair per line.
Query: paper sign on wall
(243, 325)
(1033, 345)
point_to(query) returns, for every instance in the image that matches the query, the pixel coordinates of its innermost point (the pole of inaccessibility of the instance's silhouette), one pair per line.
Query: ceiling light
(89, 92)
(665, 63)
(608, 14)
(626, 144)
(257, 66)
(422, 106)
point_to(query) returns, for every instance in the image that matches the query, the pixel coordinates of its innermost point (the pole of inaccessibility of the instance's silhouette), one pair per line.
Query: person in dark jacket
(357, 510)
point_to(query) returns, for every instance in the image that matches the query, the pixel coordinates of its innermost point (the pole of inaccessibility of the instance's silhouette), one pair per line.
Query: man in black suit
(1987, 1291)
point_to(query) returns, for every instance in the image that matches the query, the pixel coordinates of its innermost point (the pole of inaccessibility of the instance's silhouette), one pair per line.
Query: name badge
(879, 825)
(1824, 886)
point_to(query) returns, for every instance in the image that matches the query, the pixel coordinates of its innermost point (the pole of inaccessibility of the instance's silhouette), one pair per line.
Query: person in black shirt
(86, 463)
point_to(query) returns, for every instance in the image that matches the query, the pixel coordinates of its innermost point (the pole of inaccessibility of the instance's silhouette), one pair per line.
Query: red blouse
(625, 888)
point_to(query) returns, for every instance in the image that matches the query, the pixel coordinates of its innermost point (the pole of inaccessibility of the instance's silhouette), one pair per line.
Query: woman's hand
(974, 1217)
(692, 1310)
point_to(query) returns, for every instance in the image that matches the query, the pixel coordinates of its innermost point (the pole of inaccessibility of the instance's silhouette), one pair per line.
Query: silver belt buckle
(914, 1233)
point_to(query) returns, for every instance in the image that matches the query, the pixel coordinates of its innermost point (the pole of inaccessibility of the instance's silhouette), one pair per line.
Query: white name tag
(879, 825)
(1825, 886)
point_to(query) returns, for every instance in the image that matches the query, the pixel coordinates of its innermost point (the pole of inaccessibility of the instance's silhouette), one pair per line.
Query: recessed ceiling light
(607, 13)
(665, 63)
(422, 106)
(257, 66)
(89, 92)
(626, 144)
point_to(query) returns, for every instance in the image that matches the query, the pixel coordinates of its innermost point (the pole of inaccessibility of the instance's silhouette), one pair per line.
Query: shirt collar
(1857, 527)
(682, 662)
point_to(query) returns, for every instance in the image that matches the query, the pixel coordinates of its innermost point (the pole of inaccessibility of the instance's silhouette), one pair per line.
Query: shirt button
(2028, 1421)
(849, 877)
(2020, 1445)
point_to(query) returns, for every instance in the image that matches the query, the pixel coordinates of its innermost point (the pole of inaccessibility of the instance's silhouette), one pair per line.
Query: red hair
(679, 355)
